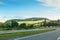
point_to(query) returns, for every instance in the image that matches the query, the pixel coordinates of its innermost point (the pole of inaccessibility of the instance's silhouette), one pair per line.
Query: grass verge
(21, 34)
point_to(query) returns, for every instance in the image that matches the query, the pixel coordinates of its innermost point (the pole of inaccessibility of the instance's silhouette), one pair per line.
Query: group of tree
(51, 23)
(12, 24)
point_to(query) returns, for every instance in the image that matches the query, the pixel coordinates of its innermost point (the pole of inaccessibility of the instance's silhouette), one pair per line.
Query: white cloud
(54, 15)
(4, 19)
(51, 3)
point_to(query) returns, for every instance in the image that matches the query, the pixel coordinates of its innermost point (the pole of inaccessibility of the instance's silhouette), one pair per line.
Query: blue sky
(10, 9)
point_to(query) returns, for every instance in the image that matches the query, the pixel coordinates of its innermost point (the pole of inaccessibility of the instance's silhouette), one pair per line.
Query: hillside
(30, 19)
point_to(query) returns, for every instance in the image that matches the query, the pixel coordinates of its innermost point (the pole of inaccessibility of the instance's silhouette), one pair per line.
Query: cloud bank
(51, 3)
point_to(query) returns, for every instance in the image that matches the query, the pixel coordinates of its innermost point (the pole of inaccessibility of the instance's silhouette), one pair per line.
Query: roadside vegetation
(15, 24)
(21, 34)
(27, 24)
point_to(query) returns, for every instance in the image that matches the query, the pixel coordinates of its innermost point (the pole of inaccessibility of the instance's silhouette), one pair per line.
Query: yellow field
(31, 22)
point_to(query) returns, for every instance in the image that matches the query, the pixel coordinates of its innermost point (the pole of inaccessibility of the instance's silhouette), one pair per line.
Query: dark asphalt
(52, 35)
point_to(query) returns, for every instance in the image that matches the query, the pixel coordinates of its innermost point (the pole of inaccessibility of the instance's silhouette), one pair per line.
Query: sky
(17, 9)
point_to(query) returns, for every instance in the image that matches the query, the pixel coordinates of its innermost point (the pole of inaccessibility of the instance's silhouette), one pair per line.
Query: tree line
(12, 25)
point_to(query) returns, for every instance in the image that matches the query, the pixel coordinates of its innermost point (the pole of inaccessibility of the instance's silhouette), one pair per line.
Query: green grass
(21, 34)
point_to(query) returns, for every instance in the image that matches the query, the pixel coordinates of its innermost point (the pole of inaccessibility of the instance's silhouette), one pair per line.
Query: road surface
(52, 35)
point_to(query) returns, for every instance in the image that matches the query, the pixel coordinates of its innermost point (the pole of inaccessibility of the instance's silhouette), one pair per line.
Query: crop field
(32, 22)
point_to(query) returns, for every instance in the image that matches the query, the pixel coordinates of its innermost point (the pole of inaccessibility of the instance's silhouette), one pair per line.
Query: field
(32, 22)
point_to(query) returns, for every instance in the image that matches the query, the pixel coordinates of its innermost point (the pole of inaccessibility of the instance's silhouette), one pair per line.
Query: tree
(1, 25)
(31, 26)
(11, 24)
(43, 23)
(23, 26)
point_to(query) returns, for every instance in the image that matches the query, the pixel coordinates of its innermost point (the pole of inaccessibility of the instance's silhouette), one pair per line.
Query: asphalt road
(52, 35)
